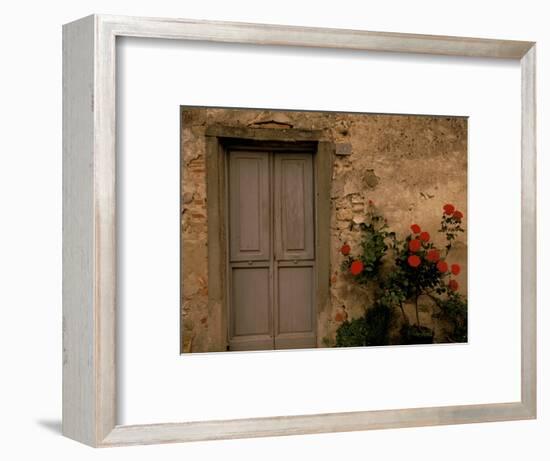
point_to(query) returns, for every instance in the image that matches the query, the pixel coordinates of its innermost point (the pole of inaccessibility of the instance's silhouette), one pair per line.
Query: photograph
(314, 229)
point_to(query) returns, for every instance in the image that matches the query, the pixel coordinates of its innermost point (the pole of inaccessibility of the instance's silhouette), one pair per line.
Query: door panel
(293, 202)
(295, 298)
(294, 250)
(250, 293)
(249, 206)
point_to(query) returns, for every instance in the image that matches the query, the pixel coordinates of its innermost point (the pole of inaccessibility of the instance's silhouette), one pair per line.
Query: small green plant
(352, 333)
(418, 269)
(454, 309)
(371, 329)
(374, 244)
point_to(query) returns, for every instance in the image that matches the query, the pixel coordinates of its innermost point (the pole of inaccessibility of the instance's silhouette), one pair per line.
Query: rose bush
(415, 268)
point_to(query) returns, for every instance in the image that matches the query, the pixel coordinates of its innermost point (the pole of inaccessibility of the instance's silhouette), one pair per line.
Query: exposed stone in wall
(194, 291)
(407, 166)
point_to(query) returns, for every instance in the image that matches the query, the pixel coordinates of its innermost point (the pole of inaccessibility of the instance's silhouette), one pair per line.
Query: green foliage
(454, 309)
(451, 227)
(414, 281)
(369, 330)
(352, 333)
(395, 288)
(374, 245)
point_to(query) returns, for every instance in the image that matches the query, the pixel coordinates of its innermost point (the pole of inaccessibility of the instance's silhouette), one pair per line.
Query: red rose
(449, 209)
(415, 228)
(356, 267)
(413, 260)
(455, 269)
(414, 245)
(433, 255)
(453, 285)
(425, 236)
(442, 266)
(457, 215)
(345, 249)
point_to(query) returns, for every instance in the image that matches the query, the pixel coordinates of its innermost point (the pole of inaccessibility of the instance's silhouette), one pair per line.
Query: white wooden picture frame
(89, 219)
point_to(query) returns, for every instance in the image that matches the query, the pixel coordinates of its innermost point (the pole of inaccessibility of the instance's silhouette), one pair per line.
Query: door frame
(218, 138)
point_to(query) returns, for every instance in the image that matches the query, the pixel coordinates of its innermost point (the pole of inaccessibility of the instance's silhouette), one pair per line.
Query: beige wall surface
(409, 166)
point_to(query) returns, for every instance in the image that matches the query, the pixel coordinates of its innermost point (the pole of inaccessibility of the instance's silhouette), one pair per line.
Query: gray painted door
(271, 250)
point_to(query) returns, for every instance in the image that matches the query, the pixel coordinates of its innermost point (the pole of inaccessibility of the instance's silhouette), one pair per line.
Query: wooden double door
(271, 277)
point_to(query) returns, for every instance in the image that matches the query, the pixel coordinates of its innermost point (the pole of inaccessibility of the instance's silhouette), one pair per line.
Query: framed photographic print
(274, 230)
(291, 186)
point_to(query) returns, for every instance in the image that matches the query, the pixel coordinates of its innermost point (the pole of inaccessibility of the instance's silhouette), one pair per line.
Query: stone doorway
(283, 325)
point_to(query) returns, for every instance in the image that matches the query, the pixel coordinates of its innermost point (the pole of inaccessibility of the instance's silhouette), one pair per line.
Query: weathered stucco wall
(409, 166)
